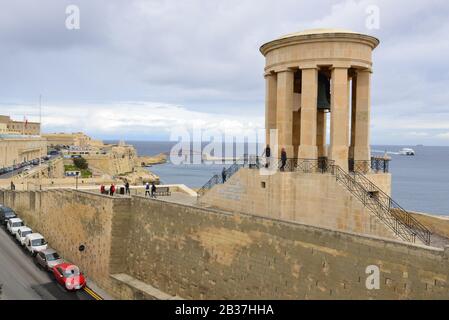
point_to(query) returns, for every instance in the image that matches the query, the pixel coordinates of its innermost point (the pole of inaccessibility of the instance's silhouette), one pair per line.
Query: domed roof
(319, 34)
(316, 31)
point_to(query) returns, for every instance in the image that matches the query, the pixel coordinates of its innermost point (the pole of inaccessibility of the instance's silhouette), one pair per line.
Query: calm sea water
(420, 183)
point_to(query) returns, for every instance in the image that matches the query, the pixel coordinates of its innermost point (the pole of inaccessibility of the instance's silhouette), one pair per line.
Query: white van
(35, 243)
(21, 234)
(13, 225)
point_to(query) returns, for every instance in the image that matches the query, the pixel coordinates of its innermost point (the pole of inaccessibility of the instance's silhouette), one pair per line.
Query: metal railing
(386, 203)
(380, 164)
(375, 165)
(218, 179)
(401, 222)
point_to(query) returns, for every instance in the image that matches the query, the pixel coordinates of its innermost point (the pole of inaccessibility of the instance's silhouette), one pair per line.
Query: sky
(136, 69)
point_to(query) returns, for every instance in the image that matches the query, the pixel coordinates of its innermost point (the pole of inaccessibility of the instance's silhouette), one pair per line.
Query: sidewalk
(96, 289)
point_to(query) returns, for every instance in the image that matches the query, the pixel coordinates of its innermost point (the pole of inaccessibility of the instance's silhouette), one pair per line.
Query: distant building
(17, 149)
(20, 142)
(7, 125)
(71, 140)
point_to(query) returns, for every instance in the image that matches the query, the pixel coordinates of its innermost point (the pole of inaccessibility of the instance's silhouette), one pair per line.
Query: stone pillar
(362, 150)
(339, 143)
(353, 115)
(270, 104)
(309, 94)
(284, 111)
(321, 134)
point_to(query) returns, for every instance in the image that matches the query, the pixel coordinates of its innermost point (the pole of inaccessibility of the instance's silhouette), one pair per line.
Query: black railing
(321, 165)
(401, 222)
(380, 164)
(394, 211)
(218, 179)
(374, 165)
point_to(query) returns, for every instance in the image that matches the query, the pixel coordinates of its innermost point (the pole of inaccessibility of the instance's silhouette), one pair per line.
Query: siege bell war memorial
(307, 222)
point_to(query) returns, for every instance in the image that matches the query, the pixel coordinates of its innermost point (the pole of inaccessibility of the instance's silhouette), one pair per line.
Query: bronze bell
(324, 93)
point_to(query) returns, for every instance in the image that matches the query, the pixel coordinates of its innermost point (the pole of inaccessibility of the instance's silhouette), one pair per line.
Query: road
(21, 279)
(11, 174)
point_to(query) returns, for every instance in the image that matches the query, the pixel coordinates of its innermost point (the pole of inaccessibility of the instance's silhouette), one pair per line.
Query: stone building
(78, 139)
(315, 75)
(329, 180)
(16, 149)
(19, 127)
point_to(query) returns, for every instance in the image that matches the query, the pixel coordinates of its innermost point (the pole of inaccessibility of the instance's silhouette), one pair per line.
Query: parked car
(48, 259)
(69, 276)
(13, 225)
(35, 243)
(6, 214)
(21, 234)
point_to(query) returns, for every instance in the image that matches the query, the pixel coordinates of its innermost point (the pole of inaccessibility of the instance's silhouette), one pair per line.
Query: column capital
(269, 74)
(338, 68)
(285, 70)
(309, 67)
(360, 71)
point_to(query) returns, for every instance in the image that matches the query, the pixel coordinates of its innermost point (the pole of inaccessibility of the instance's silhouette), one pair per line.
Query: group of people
(113, 189)
(267, 154)
(150, 190)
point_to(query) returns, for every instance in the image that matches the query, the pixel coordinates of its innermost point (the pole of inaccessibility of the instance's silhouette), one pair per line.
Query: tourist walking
(112, 190)
(147, 189)
(127, 191)
(102, 189)
(223, 174)
(153, 190)
(13, 186)
(267, 154)
(283, 159)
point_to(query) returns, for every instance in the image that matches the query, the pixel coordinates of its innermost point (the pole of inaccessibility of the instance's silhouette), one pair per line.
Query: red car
(69, 276)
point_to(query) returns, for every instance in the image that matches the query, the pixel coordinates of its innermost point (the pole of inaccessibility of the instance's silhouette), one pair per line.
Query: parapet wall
(203, 254)
(200, 253)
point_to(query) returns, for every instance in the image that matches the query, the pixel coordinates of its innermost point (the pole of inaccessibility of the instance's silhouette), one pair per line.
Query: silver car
(48, 258)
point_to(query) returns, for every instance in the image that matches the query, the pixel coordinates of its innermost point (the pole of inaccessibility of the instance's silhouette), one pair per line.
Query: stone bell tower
(313, 75)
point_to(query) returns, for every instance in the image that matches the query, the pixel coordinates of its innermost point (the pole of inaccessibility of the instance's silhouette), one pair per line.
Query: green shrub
(81, 163)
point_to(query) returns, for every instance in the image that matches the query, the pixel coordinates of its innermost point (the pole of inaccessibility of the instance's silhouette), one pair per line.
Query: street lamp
(76, 177)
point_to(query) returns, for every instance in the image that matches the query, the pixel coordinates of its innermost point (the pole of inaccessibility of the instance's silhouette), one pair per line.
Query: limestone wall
(199, 253)
(314, 199)
(118, 161)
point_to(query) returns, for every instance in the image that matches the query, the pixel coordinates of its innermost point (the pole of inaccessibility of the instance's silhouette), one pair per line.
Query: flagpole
(40, 135)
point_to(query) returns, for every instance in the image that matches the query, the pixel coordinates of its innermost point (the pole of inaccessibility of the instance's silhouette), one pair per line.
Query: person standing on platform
(283, 159)
(147, 189)
(127, 190)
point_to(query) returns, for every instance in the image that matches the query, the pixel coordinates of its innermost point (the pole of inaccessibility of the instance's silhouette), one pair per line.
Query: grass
(85, 173)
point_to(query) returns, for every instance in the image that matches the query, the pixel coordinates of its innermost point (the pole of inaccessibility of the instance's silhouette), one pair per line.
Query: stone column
(339, 143)
(284, 111)
(309, 94)
(321, 134)
(353, 115)
(362, 150)
(270, 104)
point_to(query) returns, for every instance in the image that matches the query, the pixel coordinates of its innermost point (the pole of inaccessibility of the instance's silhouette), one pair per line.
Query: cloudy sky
(137, 68)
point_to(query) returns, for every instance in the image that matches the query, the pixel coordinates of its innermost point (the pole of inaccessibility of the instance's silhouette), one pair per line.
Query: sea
(420, 182)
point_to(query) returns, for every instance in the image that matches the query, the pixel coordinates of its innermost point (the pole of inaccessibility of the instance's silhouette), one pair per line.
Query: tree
(81, 163)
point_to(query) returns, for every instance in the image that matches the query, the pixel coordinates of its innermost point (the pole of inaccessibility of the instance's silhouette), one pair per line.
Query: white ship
(407, 152)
